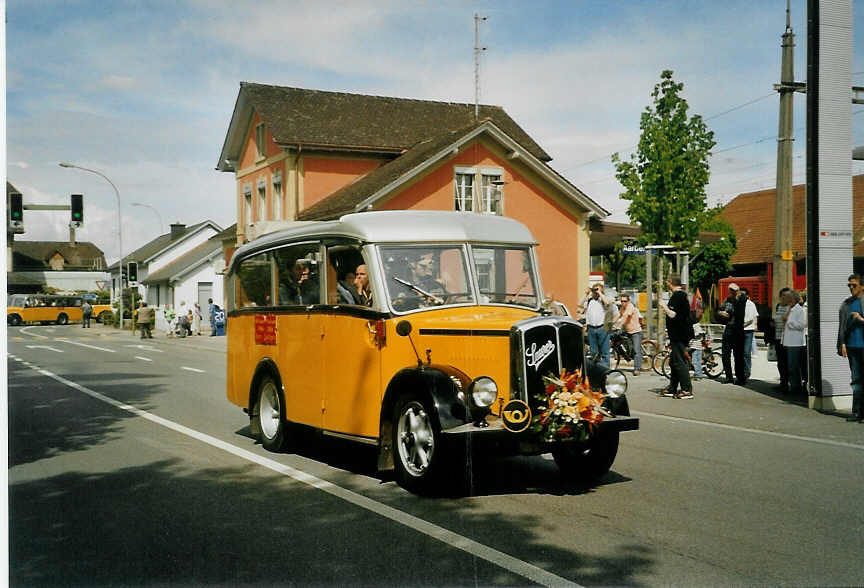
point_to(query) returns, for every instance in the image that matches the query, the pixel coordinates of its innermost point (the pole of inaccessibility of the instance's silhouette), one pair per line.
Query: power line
(713, 116)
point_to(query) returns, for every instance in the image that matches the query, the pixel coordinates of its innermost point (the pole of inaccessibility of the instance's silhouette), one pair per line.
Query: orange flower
(550, 388)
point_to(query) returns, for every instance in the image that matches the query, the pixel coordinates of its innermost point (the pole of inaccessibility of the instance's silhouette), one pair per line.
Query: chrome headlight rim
(616, 386)
(483, 391)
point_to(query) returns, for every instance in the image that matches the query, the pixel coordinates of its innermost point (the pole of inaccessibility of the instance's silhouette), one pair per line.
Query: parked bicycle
(621, 348)
(712, 365)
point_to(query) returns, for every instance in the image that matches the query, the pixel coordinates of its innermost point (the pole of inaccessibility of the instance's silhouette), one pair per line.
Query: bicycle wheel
(649, 348)
(657, 362)
(712, 365)
(667, 360)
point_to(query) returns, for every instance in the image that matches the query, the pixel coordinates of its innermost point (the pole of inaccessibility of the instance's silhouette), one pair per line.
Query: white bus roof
(403, 226)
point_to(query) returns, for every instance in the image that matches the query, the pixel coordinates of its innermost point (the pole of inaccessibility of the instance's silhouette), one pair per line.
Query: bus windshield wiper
(421, 291)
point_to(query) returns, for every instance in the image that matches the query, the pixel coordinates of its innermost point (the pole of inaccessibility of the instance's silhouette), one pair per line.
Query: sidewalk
(759, 405)
(204, 341)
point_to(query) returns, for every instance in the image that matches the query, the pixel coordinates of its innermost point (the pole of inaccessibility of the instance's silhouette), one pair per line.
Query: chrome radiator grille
(539, 347)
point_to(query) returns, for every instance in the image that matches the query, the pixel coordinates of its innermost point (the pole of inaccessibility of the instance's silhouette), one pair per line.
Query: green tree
(712, 261)
(627, 270)
(665, 178)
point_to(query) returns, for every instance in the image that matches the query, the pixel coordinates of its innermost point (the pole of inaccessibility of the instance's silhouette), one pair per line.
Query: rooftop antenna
(477, 50)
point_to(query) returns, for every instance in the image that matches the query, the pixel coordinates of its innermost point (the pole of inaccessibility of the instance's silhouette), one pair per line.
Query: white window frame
(486, 198)
(247, 204)
(262, 199)
(260, 136)
(277, 197)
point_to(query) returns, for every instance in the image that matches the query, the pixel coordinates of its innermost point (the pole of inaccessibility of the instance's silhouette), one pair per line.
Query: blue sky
(143, 91)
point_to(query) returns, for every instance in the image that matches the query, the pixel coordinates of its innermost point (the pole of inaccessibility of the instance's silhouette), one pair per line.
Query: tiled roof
(35, 254)
(357, 121)
(752, 217)
(184, 262)
(346, 198)
(428, 152)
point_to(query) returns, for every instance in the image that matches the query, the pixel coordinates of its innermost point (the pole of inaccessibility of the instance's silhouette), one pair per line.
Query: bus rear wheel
(62, 319)
(270, 414)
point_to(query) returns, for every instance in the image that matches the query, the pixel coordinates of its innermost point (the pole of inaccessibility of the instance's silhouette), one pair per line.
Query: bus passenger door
(352, 396)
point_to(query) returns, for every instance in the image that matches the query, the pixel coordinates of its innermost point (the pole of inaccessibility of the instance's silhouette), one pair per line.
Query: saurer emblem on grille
(536, 356)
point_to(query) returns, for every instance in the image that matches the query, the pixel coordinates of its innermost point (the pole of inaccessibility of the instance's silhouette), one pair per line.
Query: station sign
(633, 250)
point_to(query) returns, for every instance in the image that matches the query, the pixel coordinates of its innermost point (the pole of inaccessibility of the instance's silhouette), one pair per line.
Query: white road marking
(143, 358)
(85, 345)
(26, 331)
(499, 558)
(746, 430)
(44, 347)
(191, 369)
(146, 348)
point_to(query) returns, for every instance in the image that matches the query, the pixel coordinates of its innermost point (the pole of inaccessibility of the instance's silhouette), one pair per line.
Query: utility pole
(477, 50)
(783, 207)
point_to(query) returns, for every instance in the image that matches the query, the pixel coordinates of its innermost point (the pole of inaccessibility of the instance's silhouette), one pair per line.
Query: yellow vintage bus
(449, 344)
(50, 308)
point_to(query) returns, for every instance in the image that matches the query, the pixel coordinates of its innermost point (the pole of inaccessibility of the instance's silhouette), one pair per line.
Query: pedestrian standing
(680, 330)
(793, 341)
(738, 339)
(850, 342)
(751, 315)
(696, 350)
(629, 321)
(726, 315)
(145, 320)
(196, 319)
(210, 317)
(596, 305)
(86, 313)
(780, 311)
(169, 320)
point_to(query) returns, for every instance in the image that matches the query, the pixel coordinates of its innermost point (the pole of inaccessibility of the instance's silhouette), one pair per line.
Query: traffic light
(132, 274)
(16, 209)
(77, 208)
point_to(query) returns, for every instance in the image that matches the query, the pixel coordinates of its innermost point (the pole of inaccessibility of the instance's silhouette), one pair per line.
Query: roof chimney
(177, 230)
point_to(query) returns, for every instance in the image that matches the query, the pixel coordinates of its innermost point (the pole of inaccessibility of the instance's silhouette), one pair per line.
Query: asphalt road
(128, 466)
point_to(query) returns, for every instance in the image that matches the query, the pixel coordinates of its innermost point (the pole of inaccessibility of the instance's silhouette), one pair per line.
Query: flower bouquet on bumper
(568, 409)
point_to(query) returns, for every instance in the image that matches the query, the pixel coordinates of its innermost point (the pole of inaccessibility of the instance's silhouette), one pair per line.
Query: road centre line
(746, 430)
(143, 358)
(86, 345)
(501, 559)
(191, 369)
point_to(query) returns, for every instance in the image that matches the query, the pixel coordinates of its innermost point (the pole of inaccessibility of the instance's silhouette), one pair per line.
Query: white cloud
(119, 82)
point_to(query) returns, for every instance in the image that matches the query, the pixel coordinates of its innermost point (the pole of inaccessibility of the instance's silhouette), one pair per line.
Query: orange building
(305, 155)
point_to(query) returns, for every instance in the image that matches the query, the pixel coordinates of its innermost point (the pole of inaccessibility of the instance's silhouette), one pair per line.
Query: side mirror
(403, 328)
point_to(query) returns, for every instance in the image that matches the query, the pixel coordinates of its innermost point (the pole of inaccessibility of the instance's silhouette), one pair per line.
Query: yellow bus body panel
(335, 375)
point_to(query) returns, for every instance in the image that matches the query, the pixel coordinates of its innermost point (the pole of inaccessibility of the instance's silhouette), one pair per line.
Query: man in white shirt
(596, 307)
(751, 315)
(793, 340)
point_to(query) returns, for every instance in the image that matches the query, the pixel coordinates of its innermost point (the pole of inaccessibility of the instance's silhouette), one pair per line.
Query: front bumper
(495, 436)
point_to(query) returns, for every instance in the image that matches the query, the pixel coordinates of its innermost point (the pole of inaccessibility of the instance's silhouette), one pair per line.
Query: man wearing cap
(726, 315)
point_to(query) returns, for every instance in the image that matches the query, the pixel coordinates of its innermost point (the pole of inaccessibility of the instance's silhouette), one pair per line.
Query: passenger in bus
(300, 285)
(361, 282)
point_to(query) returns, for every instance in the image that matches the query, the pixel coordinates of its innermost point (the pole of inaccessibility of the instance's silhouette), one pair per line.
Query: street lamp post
(159, 216)
(119, 225)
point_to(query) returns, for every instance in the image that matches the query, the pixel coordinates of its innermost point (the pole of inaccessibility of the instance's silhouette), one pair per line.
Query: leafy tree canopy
(712, 261)
(665, 178)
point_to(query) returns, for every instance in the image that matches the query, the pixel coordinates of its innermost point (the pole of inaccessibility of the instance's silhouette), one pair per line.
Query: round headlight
(484, 391)
(616, 383)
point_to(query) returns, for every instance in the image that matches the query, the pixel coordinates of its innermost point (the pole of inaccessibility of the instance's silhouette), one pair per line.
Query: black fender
(265, 367)
(443, 386)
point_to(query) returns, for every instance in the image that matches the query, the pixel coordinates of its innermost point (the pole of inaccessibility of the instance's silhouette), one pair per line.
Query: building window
(464, 192)
(490, 194)
(277, 197)
(247, 204)
(262, 200)
(259, 140)
(486, 199)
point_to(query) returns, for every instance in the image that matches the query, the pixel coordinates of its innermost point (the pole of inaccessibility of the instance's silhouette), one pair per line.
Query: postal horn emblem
(516, 416)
